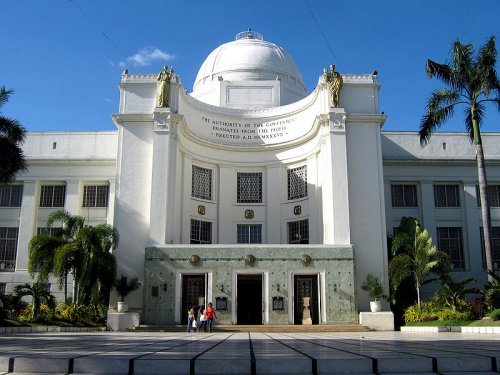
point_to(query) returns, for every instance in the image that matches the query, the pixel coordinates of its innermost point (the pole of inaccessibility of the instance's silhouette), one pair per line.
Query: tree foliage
(12, 136)
(39, 293)
(471, 81)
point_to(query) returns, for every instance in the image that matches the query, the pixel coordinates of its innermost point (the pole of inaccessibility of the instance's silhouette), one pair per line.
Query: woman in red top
(210, 313)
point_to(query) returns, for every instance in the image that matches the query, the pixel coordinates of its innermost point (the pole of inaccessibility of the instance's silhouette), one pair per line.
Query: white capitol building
(251, 192)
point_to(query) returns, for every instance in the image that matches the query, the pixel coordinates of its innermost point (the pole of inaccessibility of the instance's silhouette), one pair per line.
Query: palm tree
(83, 250)
(472, 81)
(452, 292)
(39, 293)
(12, 136)
(414, 256)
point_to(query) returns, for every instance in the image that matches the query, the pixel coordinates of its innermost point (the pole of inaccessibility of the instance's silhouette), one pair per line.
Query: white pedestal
(122, 321)
(379, 321)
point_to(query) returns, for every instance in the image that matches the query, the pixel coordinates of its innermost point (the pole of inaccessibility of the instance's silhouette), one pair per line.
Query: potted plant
(124, 287)
(375, 290)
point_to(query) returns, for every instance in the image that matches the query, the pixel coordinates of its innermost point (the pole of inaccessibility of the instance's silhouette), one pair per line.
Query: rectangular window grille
(493, 194)
(249, 187)
(202, 183)
(52, 231)
(249, 233)
(52, 195)
(298, 232)
(446, 196)
(11, 195)
(297, 182)
(450, 241)
(201, 232)
(404, 195)
(95, 195)
(8, 248)
(495, 244)
(2, 289)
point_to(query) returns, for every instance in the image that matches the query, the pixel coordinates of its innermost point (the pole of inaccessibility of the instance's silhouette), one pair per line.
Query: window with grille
(298, 232)
(52, 231)
(8, 248)
(495, 245)
(493, 194)
(201, 186)
(2, 289)
(450, 241)
(297, 182)
(95, 195)
(52, 195)
(446, 196)
(404, 195)
(249, 233)
(249, 187)
(11, 195)
(201, 232)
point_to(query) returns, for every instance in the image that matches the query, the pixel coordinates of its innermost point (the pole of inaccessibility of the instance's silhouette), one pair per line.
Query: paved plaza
(249, 353)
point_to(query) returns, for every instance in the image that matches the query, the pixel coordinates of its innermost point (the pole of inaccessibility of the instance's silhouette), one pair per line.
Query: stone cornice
(118, 118)
(366, 117)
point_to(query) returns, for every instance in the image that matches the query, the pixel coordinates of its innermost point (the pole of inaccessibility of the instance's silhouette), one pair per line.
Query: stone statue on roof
(334, 82)
(164, 77)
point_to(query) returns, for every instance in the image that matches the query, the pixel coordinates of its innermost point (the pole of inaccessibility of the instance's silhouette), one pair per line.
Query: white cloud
(146, 56)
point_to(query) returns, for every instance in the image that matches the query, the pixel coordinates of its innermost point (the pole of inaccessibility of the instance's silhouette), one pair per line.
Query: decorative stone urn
(122, 307)
(375, 306)
(306, 313)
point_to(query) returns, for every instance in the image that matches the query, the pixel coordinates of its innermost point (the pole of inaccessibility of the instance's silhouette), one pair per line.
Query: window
(251, 233)
(404, 195)
(450, 242)
(11, 195)
(297, 182)
(249, 187)
(495, 244)
(52, 231)
(8, 248)
(201, 232)
(298, 232)
(446, 196)
(52, 195)
(201, 183)
(2, 289)
(493, 194)
(95, 196)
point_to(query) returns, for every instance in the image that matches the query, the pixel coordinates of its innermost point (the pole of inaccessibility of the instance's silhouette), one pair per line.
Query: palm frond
(4, 95)
(485, 67)
(439, 108)
(442, 71)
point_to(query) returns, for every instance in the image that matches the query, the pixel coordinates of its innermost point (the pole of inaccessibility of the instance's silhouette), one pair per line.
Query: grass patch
(441, 323)
(486, 322)
(57, 323)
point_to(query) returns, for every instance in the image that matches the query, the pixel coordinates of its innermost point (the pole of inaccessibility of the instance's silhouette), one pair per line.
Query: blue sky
(64, 58)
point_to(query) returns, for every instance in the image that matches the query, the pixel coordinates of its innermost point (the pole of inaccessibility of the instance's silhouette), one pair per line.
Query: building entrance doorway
(306, 286)
(193, 288)
(249, 299)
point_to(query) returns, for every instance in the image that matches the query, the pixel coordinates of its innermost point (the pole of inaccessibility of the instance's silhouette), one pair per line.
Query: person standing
(203, 319)
(210, 313)
(191, 319)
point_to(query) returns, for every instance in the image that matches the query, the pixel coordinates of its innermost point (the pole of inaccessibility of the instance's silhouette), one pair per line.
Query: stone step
(261, 328)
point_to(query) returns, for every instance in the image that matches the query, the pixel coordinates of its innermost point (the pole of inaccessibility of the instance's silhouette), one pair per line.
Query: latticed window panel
(11, 195)
(450, 241)
(52, 195)
(404, 195)
(297, 183)
(201, 232)
(8, 248)
(201, 183)
(495, 244)
(249, 187)
(95, 195)
(298, 232)
(446, 196)
(249, 233)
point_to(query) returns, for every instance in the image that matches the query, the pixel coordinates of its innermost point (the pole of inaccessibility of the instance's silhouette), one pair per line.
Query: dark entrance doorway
(193, 287)
(306, 286)
(249, 299)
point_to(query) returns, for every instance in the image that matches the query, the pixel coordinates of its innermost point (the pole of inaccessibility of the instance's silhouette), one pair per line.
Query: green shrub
(448, 313)
(495, 314)
(75, 313)
(426, 312)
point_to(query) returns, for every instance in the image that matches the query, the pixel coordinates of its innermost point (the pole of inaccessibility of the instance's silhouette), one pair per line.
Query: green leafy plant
(491, 291)
(39, 294)
(452, 293)
(427, 311)
(495, 314)
(124, 286)
(374, 287)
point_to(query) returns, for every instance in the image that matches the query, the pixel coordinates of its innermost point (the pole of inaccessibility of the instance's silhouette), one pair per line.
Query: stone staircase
(344, 327)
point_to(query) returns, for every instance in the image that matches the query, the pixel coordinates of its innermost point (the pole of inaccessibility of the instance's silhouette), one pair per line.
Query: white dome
(249, 58)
